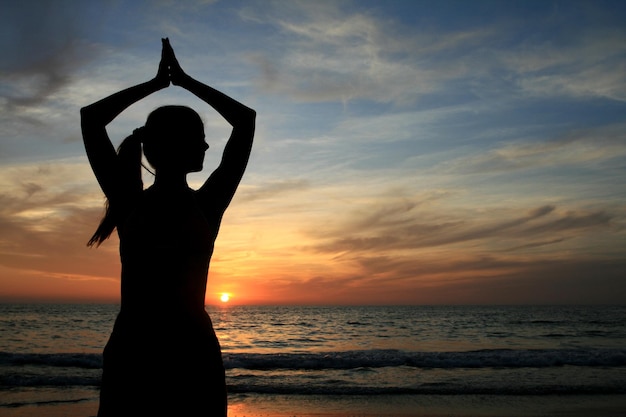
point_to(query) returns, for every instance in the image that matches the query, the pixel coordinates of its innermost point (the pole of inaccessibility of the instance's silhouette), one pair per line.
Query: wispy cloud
(274, 189)
(591, 63)
(332, 53)
(394, 227)
(576, 148)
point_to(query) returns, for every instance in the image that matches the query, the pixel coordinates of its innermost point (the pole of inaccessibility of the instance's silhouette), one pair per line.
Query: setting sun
(224, 297)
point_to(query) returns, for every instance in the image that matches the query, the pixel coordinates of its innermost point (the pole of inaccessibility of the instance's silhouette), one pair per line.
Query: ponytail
(129, 156)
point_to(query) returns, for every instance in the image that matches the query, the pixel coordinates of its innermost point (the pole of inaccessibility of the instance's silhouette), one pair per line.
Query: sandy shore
(428, 406)
(391, 406)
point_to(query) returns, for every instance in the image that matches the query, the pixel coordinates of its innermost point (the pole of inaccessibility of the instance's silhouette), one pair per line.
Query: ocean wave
(336, 387)
(499, 358)
(76, 360)
(365, 372)
(490, 358)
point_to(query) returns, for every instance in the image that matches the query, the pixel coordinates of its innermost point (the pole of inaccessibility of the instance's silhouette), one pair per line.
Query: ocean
(51, 354)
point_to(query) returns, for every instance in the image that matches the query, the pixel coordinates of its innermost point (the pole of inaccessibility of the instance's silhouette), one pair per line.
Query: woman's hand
(162, 78)
(176, 74)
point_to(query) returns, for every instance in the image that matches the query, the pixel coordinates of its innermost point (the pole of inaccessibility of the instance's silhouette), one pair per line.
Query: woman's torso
(166, 243)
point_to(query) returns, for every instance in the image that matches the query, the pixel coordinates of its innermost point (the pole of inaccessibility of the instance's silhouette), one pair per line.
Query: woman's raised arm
(222, 184)
(94, 118)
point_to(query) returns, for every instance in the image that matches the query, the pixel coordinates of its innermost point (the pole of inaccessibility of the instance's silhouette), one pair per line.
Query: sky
(406, 152)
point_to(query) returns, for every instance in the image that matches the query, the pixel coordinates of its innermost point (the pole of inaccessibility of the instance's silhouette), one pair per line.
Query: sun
(225, 297)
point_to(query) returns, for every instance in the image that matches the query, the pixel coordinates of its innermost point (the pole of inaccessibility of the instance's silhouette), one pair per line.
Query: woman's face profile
(193, 147)
(196, 150)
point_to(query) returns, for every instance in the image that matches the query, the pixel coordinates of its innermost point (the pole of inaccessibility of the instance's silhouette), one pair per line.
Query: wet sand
(363, 406)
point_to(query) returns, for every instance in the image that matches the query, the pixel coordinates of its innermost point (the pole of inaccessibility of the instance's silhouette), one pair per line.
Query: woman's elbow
(251, 116)
(247, 120)
(86, 115)
(91, 118)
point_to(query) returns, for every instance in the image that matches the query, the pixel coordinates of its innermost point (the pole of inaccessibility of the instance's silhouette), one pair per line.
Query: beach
(391, 406)
(429, 406)
(346, 361)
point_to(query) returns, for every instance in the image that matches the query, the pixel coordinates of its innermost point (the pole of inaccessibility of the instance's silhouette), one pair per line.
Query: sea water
(52, 353)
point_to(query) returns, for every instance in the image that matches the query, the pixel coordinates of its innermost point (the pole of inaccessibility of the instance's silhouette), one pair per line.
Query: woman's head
(173, 139)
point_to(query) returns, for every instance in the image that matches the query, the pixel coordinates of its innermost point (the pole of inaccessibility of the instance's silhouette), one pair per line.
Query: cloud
(460, 280)
(42, 49)
(536, 244)
(590, 64)
(576, 148)
(48, 211)
(270, 190)
(396, 227)
(421, 249)
(330, 52)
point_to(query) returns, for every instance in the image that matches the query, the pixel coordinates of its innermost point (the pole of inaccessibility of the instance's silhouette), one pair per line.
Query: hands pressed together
(170, 71)
(169, 68)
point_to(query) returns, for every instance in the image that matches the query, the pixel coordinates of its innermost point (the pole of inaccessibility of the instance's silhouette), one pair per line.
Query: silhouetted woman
(163, 357)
